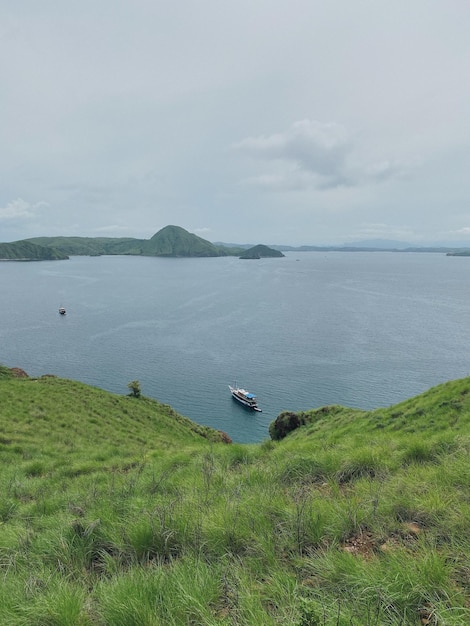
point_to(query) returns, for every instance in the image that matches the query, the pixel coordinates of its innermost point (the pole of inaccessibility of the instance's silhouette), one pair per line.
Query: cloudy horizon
(296, 123)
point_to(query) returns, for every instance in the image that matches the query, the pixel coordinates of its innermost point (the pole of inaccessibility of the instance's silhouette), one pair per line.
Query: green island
(115, 510)
(261, 252)
(29, 251)
(173, 241)
(170, 241)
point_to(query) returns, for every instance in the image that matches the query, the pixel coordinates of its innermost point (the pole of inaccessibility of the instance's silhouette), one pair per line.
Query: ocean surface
(361, 329)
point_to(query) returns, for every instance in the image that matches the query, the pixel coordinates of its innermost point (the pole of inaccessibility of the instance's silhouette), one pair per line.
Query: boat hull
(244, 398)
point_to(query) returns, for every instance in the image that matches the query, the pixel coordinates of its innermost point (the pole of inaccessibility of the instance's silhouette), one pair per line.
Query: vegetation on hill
(176, 241)
(261, 252)
(91, 246)
(28, 251)
(115, 510)
(169, 241)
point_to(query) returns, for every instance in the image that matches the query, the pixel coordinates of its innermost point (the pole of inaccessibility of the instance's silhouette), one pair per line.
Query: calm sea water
(360, 329)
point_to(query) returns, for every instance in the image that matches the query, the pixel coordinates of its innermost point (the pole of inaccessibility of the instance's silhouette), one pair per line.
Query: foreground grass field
(117, 511)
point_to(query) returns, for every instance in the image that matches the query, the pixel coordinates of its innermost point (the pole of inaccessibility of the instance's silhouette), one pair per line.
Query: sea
(360, 329)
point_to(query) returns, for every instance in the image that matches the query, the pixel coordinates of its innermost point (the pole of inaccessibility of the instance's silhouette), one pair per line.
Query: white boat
(244, 397)
(62, 310)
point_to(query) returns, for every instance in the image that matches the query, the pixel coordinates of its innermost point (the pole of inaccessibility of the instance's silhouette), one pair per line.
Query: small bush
(134, 387)
(284, 424)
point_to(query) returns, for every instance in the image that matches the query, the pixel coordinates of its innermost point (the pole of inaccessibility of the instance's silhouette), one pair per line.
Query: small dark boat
(62, 311)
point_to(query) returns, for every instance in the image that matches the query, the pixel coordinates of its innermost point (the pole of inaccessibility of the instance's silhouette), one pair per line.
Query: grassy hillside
(260, 252)
(176, 241)
(29, 251)
(169, 241)
(115, 510)
(91, 246)
(172, 241)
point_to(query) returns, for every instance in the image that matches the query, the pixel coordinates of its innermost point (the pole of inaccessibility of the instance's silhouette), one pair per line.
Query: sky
(256, 121)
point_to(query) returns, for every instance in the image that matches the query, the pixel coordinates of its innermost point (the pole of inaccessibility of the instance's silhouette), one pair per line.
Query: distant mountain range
(174, 241)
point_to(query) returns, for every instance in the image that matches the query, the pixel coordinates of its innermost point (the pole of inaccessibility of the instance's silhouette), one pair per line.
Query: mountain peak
(177, 242)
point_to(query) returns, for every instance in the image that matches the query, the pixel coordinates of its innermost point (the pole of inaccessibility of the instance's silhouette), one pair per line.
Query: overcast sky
(255, 121)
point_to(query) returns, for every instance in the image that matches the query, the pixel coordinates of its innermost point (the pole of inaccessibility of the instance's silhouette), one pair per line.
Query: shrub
(134, 387)
(285, 423)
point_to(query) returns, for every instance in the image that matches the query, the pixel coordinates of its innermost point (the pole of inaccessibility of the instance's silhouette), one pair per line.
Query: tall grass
(117, 511)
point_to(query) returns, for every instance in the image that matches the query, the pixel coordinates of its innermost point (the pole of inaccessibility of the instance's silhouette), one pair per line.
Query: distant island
(174, 241)
(29, 251)
(261, 252)
(171, 241)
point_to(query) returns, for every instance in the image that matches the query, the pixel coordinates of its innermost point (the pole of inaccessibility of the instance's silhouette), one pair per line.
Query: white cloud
(465, 230)
(386, 169)
(326, 106)
(19, 209)
(314, 155)
(312, 147)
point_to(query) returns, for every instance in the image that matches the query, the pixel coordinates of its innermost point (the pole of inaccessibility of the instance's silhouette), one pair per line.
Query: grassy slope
(29, 251)
(260, 252)
(115, 511)
(169, 241)
(91, 245)
(176, 241)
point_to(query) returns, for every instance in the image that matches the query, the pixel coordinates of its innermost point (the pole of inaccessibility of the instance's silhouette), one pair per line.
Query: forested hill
(176, 241)
(91, 246)
(171, 241)
(29, 251)
(261, 252)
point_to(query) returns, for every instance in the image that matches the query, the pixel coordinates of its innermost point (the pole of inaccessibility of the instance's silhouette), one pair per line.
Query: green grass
(117, 510)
